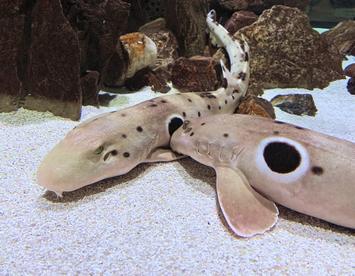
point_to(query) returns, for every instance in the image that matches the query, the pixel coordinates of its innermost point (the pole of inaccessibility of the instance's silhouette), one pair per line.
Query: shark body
(114, 143)
(259, 161)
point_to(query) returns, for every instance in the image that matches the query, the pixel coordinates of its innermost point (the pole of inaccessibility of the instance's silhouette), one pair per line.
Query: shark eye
(99, 150)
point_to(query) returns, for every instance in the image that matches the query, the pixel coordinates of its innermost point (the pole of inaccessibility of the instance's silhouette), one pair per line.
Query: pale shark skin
(114, 143)
(260, 161)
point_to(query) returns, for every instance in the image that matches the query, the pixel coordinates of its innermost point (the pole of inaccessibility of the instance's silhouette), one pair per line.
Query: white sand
(159, 219)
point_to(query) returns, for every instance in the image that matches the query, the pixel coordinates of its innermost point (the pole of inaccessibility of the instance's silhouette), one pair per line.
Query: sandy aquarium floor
(159, 219)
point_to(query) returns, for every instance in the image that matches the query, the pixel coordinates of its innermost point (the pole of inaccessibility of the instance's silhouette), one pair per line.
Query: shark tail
(236, 79)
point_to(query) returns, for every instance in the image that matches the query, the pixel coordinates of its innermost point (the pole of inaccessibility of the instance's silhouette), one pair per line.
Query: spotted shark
(260, 161)
(114, 143)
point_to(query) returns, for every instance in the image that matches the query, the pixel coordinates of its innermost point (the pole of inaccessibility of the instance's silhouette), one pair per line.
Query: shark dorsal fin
(247, 212)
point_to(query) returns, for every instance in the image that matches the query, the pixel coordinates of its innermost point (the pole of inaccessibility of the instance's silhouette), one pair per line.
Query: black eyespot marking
(126, 155)
(209, 107)
(139, 129)
(124, 136)
(219, 107)
(225, 135)
(184, 114)
(225, 101)
(192, 134)
(279, 122)
(163, 101)
(276, 132)
(317, 170)
(174, 124)
(189, 100)
(199, 114)
(203, 124)
(282, 157)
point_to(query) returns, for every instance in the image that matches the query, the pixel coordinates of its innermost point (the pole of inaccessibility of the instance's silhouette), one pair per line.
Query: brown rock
(259, 5)
(351, 86)
(253, 105)
(196, 74)
(288, 53)
(89, 85)
(187, 20)
(237, 5)
(350, 70)
(53, 79)
(341, 38)
(12, 20)
(296, 104)
(239, 20)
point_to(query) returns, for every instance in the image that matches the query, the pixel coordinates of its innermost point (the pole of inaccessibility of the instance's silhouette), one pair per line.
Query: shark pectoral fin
(163, 155)
(246, 211)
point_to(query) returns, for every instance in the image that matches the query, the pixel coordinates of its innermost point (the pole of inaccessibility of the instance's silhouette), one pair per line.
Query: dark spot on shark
(317, 170)
(189, 100)
(219, 107)
(192, 134)
(282, 157)
(246, 57)
(203, 124)
(124, 136)
(199, 114)
(153, 105)
(139, 129)
(225, 101)
(233, 97)
(123, 114)
(276, 132)
(114, 152)
(174, 124)
(224, 83)
(184, 114)
(242, 76)
(235, 91)
(208, 107)
(279, 122)
(126, 154)
(225, 135)
(163, 101)
(242, 45)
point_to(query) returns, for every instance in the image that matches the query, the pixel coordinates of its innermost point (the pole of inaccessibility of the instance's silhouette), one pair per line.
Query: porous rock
(196, 74)
(53, 80)
(259, 5)
(90, 88)
(341, 38)
(297, 104)
(239, 20)
(288, 53)
(187, 20)
(254, 105)
(12, 20)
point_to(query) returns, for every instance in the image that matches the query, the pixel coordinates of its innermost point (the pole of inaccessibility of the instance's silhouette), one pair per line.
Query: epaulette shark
(259, 161)
(114, 143)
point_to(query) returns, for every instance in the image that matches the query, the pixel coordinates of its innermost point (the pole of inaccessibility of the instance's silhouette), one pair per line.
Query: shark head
(86, 155)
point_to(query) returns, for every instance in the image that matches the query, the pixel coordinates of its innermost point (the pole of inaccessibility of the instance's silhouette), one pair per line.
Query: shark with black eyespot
(114, 143)
(259, 161)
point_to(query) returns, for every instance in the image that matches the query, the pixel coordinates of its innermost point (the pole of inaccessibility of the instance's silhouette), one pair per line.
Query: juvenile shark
(114, 143)
(259, 161)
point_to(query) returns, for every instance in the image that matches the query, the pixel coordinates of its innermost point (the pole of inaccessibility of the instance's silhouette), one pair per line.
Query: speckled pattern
(160, 219)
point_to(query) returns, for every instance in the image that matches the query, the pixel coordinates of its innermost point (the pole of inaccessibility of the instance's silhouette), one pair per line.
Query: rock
(239, 20)
(297, 104)
(187, 20)
(253, 105)
(89, 85)
(12, 50)
(164, 39)
(350, 70)
(196, 74)
(288, 53)
(53, 80)
(341, 38)
(351, 86)
(259, 5)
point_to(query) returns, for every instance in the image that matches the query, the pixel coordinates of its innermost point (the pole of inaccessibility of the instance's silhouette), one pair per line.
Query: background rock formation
(288, 53)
